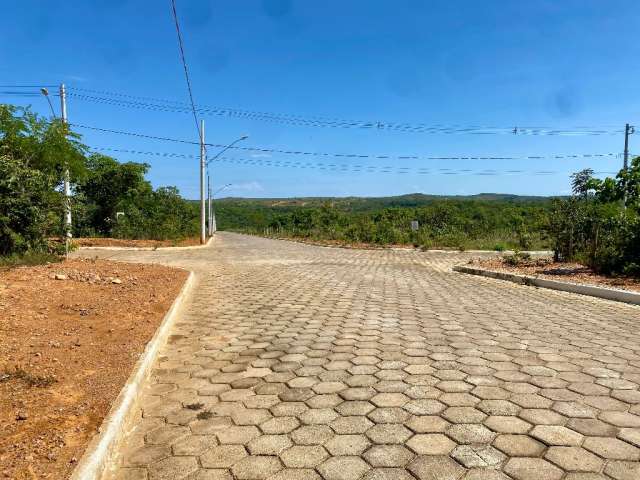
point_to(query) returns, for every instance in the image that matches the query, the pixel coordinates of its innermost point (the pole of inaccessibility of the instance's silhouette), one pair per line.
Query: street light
(244, 137)
(211, 216)
(45, 92)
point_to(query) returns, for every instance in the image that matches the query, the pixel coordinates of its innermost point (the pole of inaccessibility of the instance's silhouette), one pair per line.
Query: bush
(25, 197)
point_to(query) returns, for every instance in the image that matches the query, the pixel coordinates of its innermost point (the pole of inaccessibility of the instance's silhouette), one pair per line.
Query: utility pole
(627, 130)
(203, 232)
(210, 226)
(67, 185)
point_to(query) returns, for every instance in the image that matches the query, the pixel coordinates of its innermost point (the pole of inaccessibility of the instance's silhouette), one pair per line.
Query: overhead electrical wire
(354, 155)
(344, 167)
(172, 106)
(186, 69)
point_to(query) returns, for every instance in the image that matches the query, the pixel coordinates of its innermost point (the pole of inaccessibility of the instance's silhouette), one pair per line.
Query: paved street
(295, 362)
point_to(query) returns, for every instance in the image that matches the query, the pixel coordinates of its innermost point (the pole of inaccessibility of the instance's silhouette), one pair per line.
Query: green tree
(108, 187)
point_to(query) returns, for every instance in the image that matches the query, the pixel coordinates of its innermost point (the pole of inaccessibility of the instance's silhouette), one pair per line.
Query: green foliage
(600, 225)
(109, 187)
(34, 155)
(24, 202)
(157, 215)
(453, 222)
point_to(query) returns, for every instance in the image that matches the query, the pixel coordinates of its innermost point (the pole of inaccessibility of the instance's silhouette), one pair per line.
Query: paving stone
(430, 444)
(223, 456)
(556, 435)
(388, 456)
(427, 424)
(269, 445)
(471, 456)
(519, 445)
(620, 470)
(194, 444)
(630, 435)
(435, 467)
(280, 425)
(347, 445)
(620, 419)
(532, 469)
(470, 433)
(351, 425)
(389, 415)
(256, 468)
(464, 415)
(503, 424)
(343, 468)
(238, 435)
(484, 474)
(612, 448)
(312, 435)
(388, 474)
(592, 427)
(173, 468)
(304, 456)
(574, 459)
(147, 455)
(371, 347)
(388, 433)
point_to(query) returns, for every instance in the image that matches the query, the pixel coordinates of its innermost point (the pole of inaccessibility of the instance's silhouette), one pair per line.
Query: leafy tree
(109, 187)
(24, 204)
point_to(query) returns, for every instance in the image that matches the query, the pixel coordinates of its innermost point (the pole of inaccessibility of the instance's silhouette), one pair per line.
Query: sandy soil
(119, 242)
(568, 272)
(67, 346)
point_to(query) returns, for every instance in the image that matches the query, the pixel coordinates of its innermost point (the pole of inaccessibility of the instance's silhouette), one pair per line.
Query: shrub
(25, 197)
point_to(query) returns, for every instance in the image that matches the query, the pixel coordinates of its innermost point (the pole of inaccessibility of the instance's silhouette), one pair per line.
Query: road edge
(148, 249)
(101, 449)
(613, 294)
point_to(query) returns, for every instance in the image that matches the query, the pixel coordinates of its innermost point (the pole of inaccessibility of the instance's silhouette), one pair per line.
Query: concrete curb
(147, 249)
(590, 290)
(102, 448)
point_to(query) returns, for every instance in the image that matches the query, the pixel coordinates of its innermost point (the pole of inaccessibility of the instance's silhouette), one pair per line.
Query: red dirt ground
(67, 347)
(120, 242)
(566, 272)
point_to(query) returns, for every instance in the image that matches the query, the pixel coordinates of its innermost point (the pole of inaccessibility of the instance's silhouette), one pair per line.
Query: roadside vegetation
(485, 221)
(34, 153)
(598, 226)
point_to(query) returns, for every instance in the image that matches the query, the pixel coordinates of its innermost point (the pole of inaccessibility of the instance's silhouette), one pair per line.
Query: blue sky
(557, 64)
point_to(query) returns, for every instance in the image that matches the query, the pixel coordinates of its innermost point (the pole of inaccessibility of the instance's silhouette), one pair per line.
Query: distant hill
(373, 203)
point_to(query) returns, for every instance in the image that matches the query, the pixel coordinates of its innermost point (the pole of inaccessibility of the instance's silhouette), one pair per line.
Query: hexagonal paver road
(296, 362)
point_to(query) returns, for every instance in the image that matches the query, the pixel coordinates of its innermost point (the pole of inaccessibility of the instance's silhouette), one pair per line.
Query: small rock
(21, 416)
(60, 276)
(116, 281)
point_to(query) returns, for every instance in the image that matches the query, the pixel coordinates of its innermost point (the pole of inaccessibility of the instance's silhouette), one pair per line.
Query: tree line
(599, 225)
(34, 154)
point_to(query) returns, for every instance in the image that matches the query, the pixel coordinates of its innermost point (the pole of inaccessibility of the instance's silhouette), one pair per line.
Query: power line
(184, 65)
(359, 156)
(343, 167)
(175, 107)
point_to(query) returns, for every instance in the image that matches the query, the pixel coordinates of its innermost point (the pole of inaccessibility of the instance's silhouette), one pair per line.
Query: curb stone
(100, 453)
(616, 295)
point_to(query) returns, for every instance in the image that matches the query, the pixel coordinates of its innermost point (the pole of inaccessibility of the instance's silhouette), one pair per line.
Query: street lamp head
(244, 137)
(44, 91)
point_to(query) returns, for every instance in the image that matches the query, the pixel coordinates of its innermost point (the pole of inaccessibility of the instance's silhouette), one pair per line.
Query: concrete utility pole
(203, 231)
(210, 226)
(67, 183)
(628, 130)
